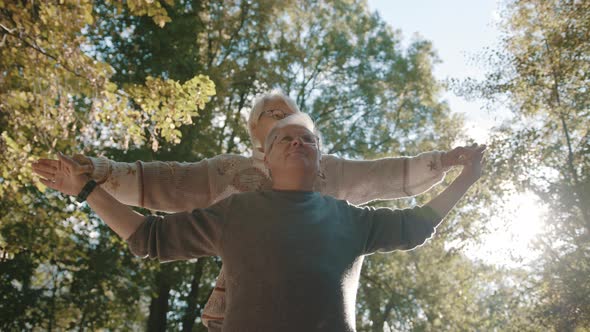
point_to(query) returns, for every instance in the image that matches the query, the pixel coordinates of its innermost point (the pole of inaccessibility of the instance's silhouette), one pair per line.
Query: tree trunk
(191, 313)
(378, 323)
(159, 303)
(577, 187)
(570, 156)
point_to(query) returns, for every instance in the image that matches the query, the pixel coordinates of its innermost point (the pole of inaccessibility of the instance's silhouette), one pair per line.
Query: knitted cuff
(102, 169)
(83, 160)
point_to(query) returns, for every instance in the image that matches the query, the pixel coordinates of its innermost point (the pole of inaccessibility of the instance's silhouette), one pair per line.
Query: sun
(512, 231)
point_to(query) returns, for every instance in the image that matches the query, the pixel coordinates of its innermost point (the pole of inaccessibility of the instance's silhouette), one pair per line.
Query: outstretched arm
(362, 181)
(161, 186)
(471, 172)
(177, 236)
(66, 179)
(388, 229)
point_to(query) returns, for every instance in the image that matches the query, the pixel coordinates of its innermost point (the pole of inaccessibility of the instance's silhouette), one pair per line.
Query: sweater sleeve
(362, 181)
(160, 186)
(386, 230)
(181, 236)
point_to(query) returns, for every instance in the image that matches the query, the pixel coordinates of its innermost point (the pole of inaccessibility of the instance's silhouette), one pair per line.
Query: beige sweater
(177, 187)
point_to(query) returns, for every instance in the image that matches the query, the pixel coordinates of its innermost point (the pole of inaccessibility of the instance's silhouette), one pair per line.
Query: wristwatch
(86, 190)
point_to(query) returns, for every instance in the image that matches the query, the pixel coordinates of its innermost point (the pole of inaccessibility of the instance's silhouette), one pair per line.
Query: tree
(55, 97)
(542, 71)
(345, 66)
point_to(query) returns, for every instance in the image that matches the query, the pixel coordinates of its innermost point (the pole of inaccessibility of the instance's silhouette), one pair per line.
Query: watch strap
(86, 190)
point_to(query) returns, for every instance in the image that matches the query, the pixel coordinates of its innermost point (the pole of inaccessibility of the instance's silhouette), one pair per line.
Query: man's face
(294, 148)
(273, 111)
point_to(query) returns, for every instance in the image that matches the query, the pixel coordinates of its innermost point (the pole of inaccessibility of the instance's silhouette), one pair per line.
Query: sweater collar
(294, 195)
(258, 155)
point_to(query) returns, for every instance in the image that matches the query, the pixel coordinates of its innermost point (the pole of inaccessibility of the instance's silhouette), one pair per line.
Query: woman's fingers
(45, 169)
(44, 174)
(475, 148)
(44, 166)
(48, 162)
(468, 154)
(52, 165)
(48, 173)
(49, 184)
(457, 156)
(480, 147)
(459, 150)
(66, 160)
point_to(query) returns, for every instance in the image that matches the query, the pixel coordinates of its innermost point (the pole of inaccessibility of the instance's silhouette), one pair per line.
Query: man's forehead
(293, 129)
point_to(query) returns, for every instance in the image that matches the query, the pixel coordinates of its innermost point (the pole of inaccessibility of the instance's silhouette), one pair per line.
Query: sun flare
(512, 231)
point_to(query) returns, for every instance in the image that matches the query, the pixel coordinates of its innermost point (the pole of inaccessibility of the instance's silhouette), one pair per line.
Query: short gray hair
(258, 108)
(299, 119)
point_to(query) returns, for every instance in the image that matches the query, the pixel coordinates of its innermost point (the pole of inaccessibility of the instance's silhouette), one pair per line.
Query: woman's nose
(296, 142)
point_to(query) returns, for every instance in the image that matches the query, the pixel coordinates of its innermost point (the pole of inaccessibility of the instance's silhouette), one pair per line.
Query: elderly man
(293, 256)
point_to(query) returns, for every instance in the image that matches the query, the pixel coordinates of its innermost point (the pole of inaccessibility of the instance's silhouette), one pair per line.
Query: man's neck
(279, 188)
(293, 183)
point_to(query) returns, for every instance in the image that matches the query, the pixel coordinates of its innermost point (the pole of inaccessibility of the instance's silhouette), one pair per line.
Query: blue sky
(459, 30)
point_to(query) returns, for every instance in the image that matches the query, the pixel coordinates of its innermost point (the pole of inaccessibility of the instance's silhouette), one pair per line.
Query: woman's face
(267, 120)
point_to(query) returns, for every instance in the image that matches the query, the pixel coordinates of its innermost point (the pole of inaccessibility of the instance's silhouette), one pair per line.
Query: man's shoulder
(335, 201)
(237, 200)
(247, 196)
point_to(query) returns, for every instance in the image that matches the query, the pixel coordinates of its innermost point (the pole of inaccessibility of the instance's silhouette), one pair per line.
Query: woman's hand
(473, 164)
(460, 156)
(471, 172)
(64, 175)
(48, 166)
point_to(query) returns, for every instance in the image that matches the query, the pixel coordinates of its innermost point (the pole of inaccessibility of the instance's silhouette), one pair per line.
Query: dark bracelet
(88, 188)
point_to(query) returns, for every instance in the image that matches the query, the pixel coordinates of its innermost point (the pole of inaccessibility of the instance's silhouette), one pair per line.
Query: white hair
(298, 119)
(258, 108)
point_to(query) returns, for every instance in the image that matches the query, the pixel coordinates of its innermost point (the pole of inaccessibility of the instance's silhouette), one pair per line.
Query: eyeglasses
(304, 139)
(276, 114)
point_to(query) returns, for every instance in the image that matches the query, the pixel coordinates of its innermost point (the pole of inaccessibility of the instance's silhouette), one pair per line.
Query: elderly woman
(298, 253)
(174, 187)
